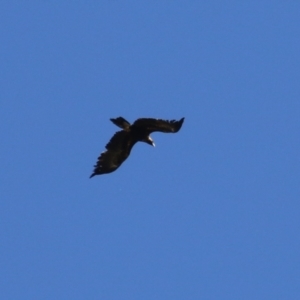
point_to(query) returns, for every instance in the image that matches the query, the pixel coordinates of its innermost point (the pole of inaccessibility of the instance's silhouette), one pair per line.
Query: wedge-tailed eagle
(120, 145)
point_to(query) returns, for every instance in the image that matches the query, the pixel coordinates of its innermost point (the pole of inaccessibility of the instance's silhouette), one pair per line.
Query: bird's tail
(121, 122)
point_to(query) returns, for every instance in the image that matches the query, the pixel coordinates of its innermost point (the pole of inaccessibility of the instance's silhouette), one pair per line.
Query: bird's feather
(152, 125)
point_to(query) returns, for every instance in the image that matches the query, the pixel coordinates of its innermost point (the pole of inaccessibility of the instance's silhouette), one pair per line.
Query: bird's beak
(151, 141)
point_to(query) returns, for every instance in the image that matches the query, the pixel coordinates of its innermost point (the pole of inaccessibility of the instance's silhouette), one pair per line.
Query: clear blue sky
(212, 212)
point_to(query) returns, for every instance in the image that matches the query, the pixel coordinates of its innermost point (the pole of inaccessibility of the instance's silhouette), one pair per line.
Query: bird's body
(120, 145)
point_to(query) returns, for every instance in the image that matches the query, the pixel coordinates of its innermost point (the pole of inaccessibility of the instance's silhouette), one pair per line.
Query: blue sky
(211, 212)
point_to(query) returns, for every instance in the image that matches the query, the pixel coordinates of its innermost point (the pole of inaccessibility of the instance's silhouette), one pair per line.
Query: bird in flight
(120, 145)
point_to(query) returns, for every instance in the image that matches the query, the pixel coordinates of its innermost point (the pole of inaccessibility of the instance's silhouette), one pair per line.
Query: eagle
(120, 145)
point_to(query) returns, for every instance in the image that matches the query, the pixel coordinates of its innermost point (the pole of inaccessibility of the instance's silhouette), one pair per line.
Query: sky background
(211, 212)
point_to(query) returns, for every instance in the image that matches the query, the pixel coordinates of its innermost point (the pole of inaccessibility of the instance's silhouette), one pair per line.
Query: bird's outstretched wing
(117, 150)
(151, 125)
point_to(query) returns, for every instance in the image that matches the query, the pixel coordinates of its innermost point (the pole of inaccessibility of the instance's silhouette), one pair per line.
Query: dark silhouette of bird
(120, 145)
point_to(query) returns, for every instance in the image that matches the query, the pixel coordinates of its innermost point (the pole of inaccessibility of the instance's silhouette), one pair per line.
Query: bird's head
(149, 141)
